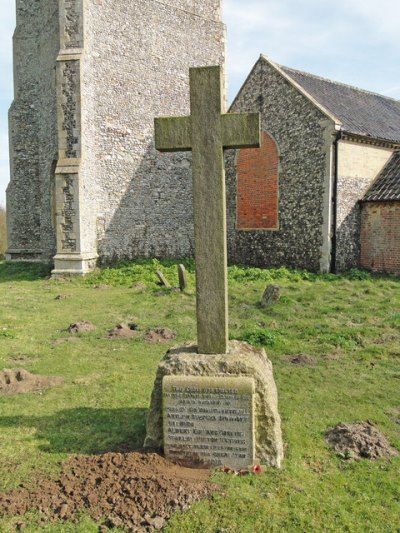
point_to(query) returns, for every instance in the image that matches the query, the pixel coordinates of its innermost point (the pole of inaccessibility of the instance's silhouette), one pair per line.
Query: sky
(353, 41)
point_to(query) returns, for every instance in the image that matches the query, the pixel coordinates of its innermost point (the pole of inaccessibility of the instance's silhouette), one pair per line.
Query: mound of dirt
(301, 359)
(123, 331)
(101, 286)
(359, 440)
(136, 491)
(62, 297)
(19, 380)
(81, 327)
(160, 335)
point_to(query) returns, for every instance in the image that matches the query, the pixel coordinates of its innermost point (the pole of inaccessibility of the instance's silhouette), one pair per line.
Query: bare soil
(301, 359)
(160, 335)
(123, 331)
(82, 326)
(135, 491)
(23, 360)
(359, 440)
(19, 380)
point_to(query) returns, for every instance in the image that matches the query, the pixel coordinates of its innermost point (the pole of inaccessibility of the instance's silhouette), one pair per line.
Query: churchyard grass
(349, 324)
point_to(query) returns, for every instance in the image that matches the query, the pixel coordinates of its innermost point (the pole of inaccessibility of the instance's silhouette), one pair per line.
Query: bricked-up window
(257, 186)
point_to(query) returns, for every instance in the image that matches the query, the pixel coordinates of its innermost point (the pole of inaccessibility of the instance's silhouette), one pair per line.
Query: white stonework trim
(73, 264)
(326, 230)
(69, 55)
(361, 139)
(68, 166)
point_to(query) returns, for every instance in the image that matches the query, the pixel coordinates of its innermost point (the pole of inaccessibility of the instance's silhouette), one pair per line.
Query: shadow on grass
(85, 430)
(23, 271)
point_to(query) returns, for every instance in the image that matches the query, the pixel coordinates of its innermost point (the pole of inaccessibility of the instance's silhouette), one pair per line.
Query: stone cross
(206, 132)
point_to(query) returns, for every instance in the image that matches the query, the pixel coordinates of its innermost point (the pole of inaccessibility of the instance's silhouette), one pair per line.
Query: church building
(87, 185)
(323, 191)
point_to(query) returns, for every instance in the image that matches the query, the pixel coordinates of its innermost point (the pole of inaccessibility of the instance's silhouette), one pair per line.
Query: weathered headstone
(182, 275)
(271, 295)
(163, 280)
(201, 391)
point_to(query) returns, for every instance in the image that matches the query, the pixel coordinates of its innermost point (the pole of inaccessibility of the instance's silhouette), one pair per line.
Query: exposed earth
(134, 491)
(160, 335)
(359, 440)
(19, 380)
(81, 327)
(23, 359)
(122, 331)
(301, 359)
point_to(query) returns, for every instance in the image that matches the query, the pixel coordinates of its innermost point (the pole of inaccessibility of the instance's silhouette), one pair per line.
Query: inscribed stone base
(73, 264)
(241, 360)
(209, 420)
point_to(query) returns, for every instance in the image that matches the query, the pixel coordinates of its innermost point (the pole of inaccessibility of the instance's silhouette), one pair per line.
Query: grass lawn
(350, 324)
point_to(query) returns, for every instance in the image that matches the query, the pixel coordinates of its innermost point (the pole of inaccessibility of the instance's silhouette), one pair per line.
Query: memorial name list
(209, 420)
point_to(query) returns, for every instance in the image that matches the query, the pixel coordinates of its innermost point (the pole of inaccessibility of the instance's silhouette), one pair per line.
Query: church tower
(89, 78)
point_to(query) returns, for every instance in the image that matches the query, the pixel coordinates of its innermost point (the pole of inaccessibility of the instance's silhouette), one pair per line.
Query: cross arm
(173, 134)
(241, 130)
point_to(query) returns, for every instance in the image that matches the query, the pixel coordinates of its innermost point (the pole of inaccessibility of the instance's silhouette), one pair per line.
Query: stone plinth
(241, 361)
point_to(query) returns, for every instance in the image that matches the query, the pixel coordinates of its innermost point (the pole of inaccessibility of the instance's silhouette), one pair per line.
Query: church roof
(359, 112)
(386, 187)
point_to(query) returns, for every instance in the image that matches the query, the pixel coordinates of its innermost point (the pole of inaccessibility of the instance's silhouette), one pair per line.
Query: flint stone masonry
(241, 360)
(33, 132)
(208, 421)
(302, 134)
(101, 103)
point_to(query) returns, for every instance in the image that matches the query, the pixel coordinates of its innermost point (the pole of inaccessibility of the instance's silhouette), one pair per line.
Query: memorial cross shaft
(206, 132)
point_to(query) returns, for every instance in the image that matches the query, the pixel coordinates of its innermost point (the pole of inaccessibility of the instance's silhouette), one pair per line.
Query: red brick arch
(257, 186)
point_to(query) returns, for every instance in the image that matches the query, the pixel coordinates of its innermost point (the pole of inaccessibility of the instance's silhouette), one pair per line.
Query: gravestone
(271, 295)
(197, 386)
(182, 277)
(163, 280)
